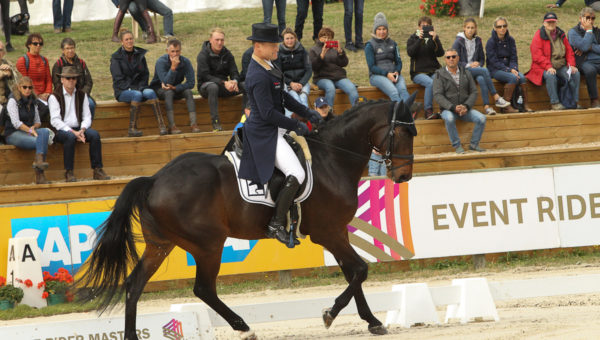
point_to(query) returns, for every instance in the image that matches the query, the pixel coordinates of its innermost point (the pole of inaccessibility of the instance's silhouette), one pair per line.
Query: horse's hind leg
(153, 256)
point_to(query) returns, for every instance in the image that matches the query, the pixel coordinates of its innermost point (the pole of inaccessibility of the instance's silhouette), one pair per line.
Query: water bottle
(520, 100)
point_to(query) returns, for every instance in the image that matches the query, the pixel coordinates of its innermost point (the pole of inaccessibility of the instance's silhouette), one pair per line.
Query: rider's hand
(315, 117)
(302, 129)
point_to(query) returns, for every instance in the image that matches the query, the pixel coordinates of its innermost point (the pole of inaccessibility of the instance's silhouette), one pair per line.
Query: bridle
(389, 136)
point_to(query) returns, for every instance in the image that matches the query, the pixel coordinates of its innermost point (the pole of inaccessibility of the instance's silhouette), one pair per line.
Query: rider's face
(266, 50)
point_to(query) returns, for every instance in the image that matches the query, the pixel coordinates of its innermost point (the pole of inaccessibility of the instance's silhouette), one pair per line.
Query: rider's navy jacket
(267, 99)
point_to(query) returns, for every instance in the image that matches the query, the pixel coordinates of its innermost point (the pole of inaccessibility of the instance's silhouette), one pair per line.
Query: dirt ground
(560, 317)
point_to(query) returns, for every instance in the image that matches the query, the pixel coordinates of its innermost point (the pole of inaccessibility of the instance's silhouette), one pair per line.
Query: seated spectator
(143, 9)
(503, 63)
(157, 7)
(594, 4)
(8, 76)
(169, 73)
(585, 41)
(130, 75)
(423, 48)
(70, 58)
(295, 65)
(35, 66)
(323, 109)
(455, 91)
(552, 58)
(70, 116)
(472, 58)
(385, 65)
(23, 130)
(218, 74)
(328, 67)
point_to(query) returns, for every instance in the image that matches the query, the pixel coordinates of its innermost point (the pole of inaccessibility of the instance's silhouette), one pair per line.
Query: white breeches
(286, 160)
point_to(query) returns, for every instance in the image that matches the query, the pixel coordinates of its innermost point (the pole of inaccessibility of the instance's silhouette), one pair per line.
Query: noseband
(388, 156)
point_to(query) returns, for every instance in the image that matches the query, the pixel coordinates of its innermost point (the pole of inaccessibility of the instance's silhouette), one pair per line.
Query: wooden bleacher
(524, 139)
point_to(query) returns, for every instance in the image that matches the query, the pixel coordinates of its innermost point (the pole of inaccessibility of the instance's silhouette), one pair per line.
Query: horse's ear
(410, 100)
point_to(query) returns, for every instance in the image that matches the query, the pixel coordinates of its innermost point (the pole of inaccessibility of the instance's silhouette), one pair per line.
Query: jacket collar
(207, 47)
(496, 38)
(272, 70)
(559, 33)
(137, 51)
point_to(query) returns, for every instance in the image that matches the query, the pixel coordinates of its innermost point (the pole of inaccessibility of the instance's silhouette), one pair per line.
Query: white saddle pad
(256, 193)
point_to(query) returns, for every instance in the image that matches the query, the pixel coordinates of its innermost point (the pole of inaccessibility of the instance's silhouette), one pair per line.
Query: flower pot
(55, 299)
(5, 304)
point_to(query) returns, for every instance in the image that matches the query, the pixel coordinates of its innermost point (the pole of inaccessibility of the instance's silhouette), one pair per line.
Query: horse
(193, 202)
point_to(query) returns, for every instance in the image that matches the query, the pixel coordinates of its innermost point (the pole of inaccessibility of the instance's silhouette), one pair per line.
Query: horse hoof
(248, 335)
(327, 317)
(378, 330)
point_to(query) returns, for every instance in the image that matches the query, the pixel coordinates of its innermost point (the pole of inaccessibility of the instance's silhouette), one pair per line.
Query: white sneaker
(501, 102)
(489, 111)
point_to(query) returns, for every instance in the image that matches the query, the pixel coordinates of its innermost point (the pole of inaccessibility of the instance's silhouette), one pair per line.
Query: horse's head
(396, 140)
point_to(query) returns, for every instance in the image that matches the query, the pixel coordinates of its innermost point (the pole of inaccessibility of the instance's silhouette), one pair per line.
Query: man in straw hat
(264, 145)
(70, 116)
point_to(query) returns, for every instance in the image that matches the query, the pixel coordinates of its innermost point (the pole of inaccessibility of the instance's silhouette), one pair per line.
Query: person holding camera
(424, 47)
(328, 60)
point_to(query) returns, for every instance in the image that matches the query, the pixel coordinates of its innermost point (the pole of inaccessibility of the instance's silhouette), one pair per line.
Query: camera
(427, 29)
(332, 44)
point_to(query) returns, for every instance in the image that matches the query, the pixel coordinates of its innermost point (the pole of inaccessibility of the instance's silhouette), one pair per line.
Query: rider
(264, 145)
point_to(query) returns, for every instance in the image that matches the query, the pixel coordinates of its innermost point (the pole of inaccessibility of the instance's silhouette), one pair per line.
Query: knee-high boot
(151, 33)
(117, 25)
(285, 199)
(525, 99)
(162, 130)
(134, 111)
(507, 95)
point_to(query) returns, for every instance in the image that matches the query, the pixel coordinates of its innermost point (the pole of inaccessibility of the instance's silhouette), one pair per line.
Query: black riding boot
(285, 199)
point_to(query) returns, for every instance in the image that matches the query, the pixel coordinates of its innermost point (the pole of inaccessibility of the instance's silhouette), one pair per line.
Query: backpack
(565, 95)
(517, 99)
(19, 24)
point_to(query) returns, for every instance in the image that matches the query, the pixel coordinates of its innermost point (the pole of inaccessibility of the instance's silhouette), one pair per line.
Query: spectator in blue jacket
(385, 65)
(503, 63)
(594, 4)
(470, 51)
(585, 41)
(296, 67)
(170, 71)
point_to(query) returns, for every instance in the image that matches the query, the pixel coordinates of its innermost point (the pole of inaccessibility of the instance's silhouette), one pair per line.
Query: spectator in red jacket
(35, 66)
(552, 58)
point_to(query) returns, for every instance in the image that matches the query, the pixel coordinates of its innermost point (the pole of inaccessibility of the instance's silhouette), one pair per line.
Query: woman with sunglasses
(503, 63)
(35, 66)
(23, 130)
(585, 41)
(470, 51)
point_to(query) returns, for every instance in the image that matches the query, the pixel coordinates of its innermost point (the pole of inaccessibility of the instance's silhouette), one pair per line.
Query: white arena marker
(24, 258)
(475, 301)
(202, 312)
(415, 306)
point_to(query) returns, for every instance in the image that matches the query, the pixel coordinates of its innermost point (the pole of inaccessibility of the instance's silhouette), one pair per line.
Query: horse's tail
(114, 251)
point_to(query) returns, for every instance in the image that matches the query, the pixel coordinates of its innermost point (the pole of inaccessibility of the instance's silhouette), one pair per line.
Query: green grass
(94, 45)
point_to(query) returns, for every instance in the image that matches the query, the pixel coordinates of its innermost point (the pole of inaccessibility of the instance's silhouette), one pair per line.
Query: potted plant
(56, 287)
(9, 295)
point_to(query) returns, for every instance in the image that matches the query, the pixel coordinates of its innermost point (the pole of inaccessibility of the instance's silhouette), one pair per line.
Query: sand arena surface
(559, 317)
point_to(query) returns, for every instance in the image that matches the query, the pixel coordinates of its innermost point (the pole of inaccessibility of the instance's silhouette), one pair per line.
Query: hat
(550, 16)
(380, 20)
(69, 71)
(265, 33)
(320, 102)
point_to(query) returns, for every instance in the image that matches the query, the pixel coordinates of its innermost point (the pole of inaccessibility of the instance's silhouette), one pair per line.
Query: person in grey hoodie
(455, 91)
(472, 58)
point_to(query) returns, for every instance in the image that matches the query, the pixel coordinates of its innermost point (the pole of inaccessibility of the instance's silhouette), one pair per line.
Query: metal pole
(481, 8)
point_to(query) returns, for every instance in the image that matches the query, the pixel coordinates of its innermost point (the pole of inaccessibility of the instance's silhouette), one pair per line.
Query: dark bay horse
(193, 202)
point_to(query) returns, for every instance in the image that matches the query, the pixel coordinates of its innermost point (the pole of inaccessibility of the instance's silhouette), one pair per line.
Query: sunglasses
(452, 56)
(70, 78)
(27, 87)
(37, 43)
(502, 26)
(590, 18)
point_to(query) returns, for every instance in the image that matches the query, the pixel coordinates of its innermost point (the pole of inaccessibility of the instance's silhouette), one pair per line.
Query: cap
(320, 102)
(550, 16)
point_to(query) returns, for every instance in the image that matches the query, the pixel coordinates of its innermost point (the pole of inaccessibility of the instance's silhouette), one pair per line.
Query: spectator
(295, 65)
(357, 7)
(376, 164)
(169, 73)
(503, 63)
(35, 66)
(585, 41)
(594, 4)
(70, 58)
(246, 57)
(385, 65)
(268, 12)
(130, 75)
(552, 58)
(217, 74)
(317, 12)
(62, 18)
(455, 92)
(323, 109)
(71, 117)
(424, 47)
(328, 67)
(8, 77)
(157, 7)
(142, 8)
(23, 130)
(472, 58)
